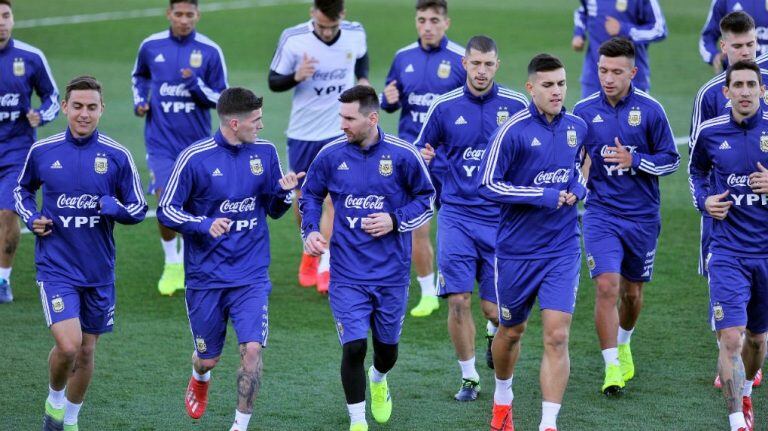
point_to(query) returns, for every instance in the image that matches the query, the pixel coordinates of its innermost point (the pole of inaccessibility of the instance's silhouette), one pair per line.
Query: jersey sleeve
(699, 167)
(128, 206)
(649, 25)
(140, 78)
(279, 200)
(431, 131)
(392, 75)
(580, 21)
(663, 158)
(313, 193)
(170, 208)
(207, 87)
(703, 109)
(710, 33)
(24, 193)
(421, 192)
(285, 60)
(46, 90)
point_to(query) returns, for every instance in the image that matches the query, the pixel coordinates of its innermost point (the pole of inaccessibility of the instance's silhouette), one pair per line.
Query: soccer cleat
(626, 362)
(323, 281)
(358, 426)
(196, 398)
(72, 427)
(308, 270)
(758, 378)
(427, 304)
(749, 416)
(381, 401)
(614, 380)
(502, 418)
(172, 279)
(468, 391)
(53, 420)
(488, 352)
(6, 294)
(718, 384)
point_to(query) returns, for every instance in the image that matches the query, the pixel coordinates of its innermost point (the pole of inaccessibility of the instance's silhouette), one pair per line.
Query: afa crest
(505, 313)
(385, 166)
(717, 312)
(764, 143)
(256, 167)
(350, 56)
(444, 70)
(340, 329)
(196, 58)
(590, 262)
(18, 67)
(635, 116)
(58, 304)
(502, 115)
(621, 5)
(571, 135)
(200, 345)
(100, 164)
(765, 94)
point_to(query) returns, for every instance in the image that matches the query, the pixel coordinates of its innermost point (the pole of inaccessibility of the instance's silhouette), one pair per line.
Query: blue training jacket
(710, 34)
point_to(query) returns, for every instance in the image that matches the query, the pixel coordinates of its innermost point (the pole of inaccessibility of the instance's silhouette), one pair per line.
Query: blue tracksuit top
(88, 185)
(459, 126)
(710, 34)
(640, 123)
(527, 164)
(387, 177)
(214, 179)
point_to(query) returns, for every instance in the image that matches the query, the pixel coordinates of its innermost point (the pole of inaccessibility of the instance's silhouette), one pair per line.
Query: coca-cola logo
(247, 204)
(473, 154)
(604, 151)
(558, 176)
(170, 90)
(415, 99)
(738, 180)
(330, 75)
(9, 99)
(82, 202)
(370, 202)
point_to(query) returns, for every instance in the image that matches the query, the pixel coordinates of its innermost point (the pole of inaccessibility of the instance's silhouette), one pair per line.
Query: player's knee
(459, 304)
(68, 351)
(511, 334)
(731, 340)
(355, 351)
(208, 364)
(385, 355)
(606, 289)
(632, 293)
(556, 338)
(755, 341)
(250, 353)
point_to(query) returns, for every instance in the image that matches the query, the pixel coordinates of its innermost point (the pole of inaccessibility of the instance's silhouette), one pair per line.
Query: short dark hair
(365, 95)
(482, 44)
(743, 65)
(7, 3)
(544, 63)
(238, 101)
(83, 82)
(737, 23)
(440, 6)
(173, 2)
(330, 8)
(618, 47)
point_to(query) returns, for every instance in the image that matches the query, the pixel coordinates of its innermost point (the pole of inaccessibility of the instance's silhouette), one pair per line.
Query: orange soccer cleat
(308, 270)
(323, 281)
(749, 416)
(196, 399)
(502, 418)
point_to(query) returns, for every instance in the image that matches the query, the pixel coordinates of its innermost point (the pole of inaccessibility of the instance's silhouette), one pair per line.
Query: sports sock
(611, 356)
(624, 335)
(5, 273)
(468, 370)
(491, 329)
(356, 412)
(377, 376)
(169, 248)
(747, 391)
(201, 377)
(325, 262)
(737, 421)
(71, 410)
(427, 284)
(241, 421)
(56, 398)
(549, 413)
(503, 395)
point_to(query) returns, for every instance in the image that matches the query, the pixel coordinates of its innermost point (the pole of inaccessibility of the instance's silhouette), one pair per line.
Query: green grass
(143, 367)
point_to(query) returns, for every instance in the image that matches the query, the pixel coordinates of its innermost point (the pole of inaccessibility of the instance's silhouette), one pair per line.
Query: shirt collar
(623, 101)
(81, 142)
(8, 46)
(748, 123)
(485, 97)
(440, 47)
(373, 146)
(181, 39)
(221, 141)
(542, 118)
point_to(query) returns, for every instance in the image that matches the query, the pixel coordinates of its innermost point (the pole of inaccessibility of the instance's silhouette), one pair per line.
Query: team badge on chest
(256, 167)
(621, 5)
(571, 135)
(100, 163)
(444, 70)
(502, 115)
(385, 166)
(196, 58)
(18, 67)
(764, 143)
(635, 116)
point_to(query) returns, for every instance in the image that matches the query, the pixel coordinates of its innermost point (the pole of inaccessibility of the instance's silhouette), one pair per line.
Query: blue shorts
(209, 309)
(357, 308)
(9, 179)
(706, 238)
(619, 245)
(93, 305)
(738, 292)
(160, 168)
(519, 282)
(465, 253)
(301, 153)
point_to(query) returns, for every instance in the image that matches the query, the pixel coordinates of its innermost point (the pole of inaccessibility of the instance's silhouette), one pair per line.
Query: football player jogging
(178, 76)
(630, 145)
(739, 42)
(640, 21)
(219, 195)
(532, 168)
(89, 182)
(24, 69)
(458, 127)
(319, 59)
(729, 180)
(381, 189)
(710, 42)
(420, 72)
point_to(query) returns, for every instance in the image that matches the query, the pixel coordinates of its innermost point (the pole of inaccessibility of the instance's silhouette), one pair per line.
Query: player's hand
(612, 26)
(291, 180)
(142, 109)
(717, 63)
(34, 118)
(186, 73)
(219, 227)
(717, 205)
(377, 224)
(315, 244)
(42, 226)
(562, 198)
(571, 199)
(758, 181)
(306, 68)
(427, 153)
(577, 43)
(391, 93)
(619, 155)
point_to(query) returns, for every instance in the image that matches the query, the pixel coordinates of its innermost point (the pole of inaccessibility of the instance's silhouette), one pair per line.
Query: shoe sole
(613, 391)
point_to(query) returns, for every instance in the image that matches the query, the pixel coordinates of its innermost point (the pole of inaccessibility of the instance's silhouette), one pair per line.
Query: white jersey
(315, 107)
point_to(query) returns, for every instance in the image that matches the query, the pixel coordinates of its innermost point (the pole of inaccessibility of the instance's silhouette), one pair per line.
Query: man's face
(183, 18)
(355, 124)
(325, 27)
(6, 23)
(481, 68)
(431, 26)
(615, 74)
(249, 126)
(744, 92)
(739, 46)
(83, 110)
(547, 90)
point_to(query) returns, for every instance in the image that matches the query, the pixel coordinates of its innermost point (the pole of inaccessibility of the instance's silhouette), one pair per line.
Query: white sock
(491, 329)
(241, 421)
(201, 377)
(71, 410)
(356, 412)
(427, 284)
(468, 370)
(549, 413)
(325, 262)
(737, 421)
(611, 356)
(747, 391)
(503, 395)
(169, 248)
(376, 376)
(5, 273)
(624, 335)
(56, 398)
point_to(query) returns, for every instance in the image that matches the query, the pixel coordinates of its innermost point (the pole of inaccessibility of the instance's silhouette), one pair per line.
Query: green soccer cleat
(358, 426)
(72, 427)
(625, 360)
(381, 401)
(427, 304)
(53, 420)
(614, 381)
(172, 279)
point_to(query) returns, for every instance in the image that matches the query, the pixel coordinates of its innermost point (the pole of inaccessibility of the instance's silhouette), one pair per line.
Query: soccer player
(89, 182)
(381, 189)
(177, 79)
(458, 126)
(630, 145)
(641, 21)
(219, 195)
(25, 70)
(710, 45)
(532, 168)
(420, 72)
(729, 180)
(320, 59)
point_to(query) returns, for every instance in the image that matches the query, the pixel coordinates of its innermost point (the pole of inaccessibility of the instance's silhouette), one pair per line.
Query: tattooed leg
(248, 376)
(731, 367)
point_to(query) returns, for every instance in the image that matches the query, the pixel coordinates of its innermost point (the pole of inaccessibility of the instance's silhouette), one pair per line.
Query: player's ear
(725, 92)
(529, 87)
